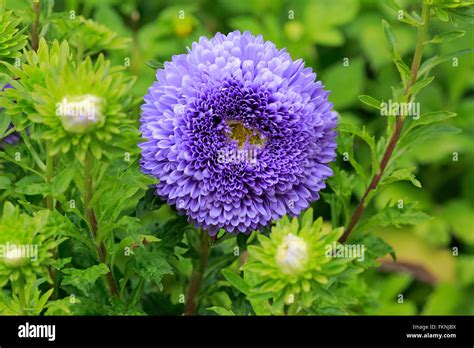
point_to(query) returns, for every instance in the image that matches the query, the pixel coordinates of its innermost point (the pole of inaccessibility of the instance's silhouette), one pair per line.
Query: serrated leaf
(151, 266)
(400, 175)
(392, 215)
(83, 279)
(374, 249)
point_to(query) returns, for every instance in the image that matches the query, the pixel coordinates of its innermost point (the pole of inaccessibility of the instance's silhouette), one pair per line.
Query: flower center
(244, 135)
(292, 254)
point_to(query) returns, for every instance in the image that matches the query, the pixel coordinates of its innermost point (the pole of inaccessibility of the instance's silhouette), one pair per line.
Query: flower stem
(49, 175)
(35, 27)
(88, 191)
(137, 292)
(197, 274)
(398, 125)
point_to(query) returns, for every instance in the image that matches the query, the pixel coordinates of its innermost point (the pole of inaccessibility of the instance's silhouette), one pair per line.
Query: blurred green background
(435, 269)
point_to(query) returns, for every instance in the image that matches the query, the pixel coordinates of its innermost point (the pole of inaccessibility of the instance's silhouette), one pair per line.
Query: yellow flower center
(244, 135)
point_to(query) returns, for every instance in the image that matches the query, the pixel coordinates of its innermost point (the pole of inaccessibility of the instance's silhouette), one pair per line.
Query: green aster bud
(14, 258)
(80, 114)
(292, 254)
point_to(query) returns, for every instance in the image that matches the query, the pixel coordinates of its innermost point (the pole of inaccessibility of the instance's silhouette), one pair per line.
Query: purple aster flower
(14, 137)
(230, 95)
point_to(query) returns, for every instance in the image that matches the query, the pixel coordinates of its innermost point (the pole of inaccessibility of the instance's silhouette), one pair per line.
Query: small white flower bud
(80, 113)
(13, 257)
(292, 254)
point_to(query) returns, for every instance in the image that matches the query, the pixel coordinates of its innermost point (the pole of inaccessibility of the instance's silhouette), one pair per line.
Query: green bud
(80, 114)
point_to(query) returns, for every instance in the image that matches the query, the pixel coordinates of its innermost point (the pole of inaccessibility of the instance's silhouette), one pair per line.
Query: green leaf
(444, 300)
(391, 39)
(431, 117)
(62, 180)
(422, 134)
(364, 135)
(370, 101)
(33, 189)
(96, 150)
(260, 307)
(395, 216)
(5, 183)
(260, 296)
(151, 266)
(459, 215)
(400, 175)
(465, 270)
(374, 249)
(83, 279)
(404, 72)
(4, 122)
(154, 65)
(446, 37)
(236, 281)
(221, 311)
(462, 14)
(419, 85)
(434, 61)
(346, 149)
(441, 14)
(407, 18)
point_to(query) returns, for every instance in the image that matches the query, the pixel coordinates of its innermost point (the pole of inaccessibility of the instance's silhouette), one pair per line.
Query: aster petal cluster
(229, 95)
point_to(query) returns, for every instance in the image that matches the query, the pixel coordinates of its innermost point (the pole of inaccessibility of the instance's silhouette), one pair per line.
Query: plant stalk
(197, 275)
(88, 191)
(398, 125)
(49, 170)
(35, 27)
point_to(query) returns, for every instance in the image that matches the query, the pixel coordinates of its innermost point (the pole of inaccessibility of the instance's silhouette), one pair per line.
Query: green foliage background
(437, 253)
